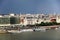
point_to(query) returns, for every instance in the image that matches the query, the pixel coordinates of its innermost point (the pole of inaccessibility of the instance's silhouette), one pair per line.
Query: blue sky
(29, 6)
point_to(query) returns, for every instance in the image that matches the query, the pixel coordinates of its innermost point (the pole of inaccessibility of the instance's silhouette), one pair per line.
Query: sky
(29, 6)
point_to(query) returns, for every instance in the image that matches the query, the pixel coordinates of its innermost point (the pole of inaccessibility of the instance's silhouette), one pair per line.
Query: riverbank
(30, 29)
(41, 28)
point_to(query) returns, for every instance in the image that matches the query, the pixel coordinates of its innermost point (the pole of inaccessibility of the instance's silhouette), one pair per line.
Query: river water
(48, 35)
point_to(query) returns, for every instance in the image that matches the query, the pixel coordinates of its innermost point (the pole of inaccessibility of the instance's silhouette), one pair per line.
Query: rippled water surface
(48, 35)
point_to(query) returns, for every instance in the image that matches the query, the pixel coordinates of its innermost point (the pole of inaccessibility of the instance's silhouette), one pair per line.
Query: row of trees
(45, 24)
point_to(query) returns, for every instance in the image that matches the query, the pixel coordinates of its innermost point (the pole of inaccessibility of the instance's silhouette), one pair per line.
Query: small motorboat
(39, 29)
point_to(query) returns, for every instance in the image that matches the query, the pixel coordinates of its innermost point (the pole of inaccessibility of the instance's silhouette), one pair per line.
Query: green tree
(42, 24)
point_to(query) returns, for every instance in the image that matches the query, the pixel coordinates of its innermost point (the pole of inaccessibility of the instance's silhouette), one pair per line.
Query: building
(58, 19)
(10, 19)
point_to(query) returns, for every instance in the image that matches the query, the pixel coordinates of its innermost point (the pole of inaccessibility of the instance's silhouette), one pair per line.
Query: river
(48, 35)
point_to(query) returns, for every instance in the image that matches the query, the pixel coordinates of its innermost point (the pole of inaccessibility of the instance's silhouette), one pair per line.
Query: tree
(42, 24)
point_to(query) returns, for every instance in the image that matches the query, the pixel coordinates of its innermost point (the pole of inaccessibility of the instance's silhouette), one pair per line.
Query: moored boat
(39, 29)
(17, 31)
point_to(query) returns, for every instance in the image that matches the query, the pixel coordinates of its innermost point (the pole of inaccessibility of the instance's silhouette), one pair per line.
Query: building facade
(27, 19)
(10, 19)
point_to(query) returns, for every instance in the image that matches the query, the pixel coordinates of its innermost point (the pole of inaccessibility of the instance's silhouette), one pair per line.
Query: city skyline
(29, 6)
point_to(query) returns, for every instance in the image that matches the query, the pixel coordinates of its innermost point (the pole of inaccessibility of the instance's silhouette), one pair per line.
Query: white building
(58, 19)
(32, 19)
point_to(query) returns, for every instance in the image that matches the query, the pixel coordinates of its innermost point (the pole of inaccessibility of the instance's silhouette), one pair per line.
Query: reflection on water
(48, 35)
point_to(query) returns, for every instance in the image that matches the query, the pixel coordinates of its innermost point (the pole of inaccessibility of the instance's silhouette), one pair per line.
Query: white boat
(14, 31)
(17, 31)
(39, 29)
(58, 29)
(26, 30)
